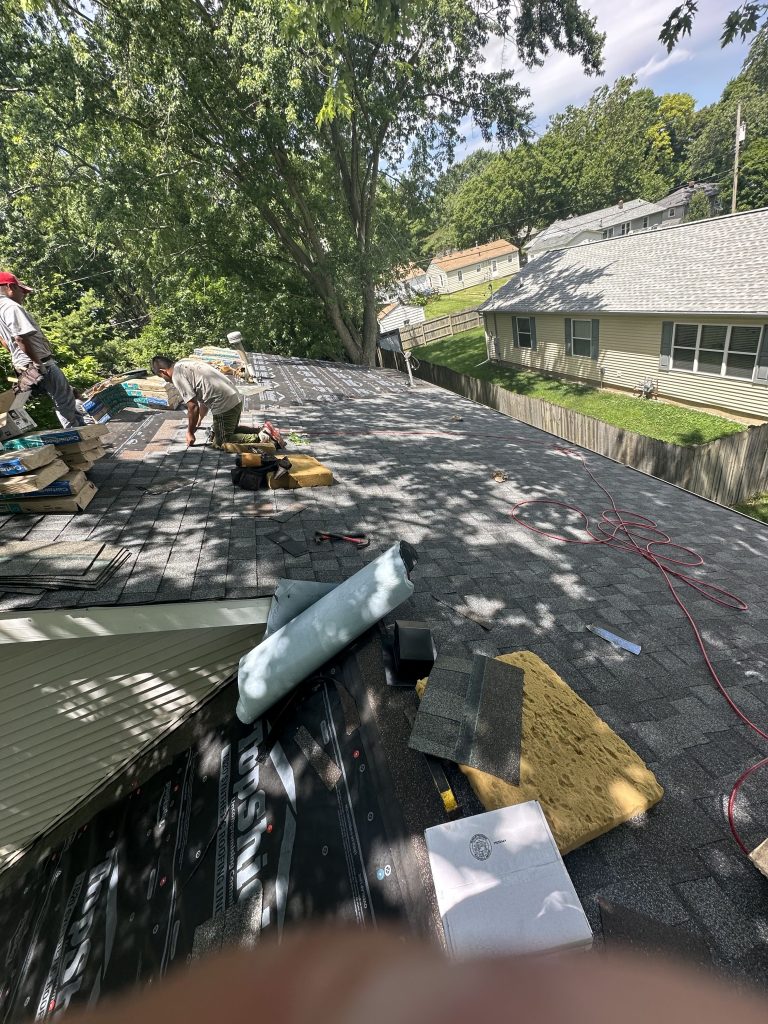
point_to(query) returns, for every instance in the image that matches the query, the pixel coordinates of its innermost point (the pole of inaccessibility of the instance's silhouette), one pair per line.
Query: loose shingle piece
(473, 717)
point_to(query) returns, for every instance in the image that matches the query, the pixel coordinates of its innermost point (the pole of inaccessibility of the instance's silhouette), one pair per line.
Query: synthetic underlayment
(215, 848)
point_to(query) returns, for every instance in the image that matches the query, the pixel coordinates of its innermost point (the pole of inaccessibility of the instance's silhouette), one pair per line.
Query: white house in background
(414, 279)
(410, 280)
(399, 314)
(457, 270)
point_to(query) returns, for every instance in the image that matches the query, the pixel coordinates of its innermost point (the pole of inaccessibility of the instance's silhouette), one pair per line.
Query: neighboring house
(399, 314)
(415, 279)
(457, 270)
(685, 308)
(680, 199)
(613, 221)
(411, 280)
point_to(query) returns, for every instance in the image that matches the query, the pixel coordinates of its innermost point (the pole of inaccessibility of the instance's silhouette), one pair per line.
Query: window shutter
(515, 341)
(595, 339)
(761, 371)
(568, 342)
(533, 334)
(665, 358)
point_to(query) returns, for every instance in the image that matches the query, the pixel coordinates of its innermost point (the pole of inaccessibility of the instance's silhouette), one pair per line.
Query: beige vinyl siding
(76, 706)
(477, 273)
(629, 353)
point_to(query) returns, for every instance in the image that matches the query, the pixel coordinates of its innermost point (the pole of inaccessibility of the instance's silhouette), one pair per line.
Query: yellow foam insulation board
(586, 778)
(304, 472)
(759, 857)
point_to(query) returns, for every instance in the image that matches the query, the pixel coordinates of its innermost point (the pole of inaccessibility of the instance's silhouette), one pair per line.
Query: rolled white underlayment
(305, 643)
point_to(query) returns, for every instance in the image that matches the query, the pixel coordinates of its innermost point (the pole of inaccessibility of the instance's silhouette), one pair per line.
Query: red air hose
(627, 531)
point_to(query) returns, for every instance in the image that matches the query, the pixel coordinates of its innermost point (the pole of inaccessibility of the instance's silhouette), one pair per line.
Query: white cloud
(659, 63)
(632, 47)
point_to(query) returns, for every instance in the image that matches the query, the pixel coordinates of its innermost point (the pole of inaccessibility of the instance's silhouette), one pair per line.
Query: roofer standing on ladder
(203, 387)
(31, 352)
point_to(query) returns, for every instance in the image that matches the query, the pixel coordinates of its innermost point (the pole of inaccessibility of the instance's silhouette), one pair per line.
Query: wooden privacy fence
(728, 470)
(442, 327)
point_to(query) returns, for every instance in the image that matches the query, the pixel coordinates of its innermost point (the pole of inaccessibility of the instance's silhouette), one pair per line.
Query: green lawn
(756, 507)
(442, 305)
(463, 353)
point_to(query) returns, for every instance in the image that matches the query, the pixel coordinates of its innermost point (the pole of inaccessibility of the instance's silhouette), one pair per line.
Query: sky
(697, 65)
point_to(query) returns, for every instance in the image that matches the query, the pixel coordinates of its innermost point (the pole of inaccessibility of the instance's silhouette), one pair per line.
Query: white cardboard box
(502, 886)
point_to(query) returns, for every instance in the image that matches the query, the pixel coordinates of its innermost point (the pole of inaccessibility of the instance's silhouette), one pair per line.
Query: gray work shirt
(193, 378)
(15, 321)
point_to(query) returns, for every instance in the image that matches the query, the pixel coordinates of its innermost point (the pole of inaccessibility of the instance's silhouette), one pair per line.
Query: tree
(711, 153)
(290, 111)
(753, 177)
(670, 136)
(510, 197)
(699, 206)
(741, 21)
(603, 151)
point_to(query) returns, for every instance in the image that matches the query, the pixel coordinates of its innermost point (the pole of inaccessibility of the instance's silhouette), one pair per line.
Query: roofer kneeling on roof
(203, 388)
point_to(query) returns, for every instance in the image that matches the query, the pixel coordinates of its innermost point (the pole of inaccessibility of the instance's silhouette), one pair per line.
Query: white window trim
(460, 275)
(574, 353)
(529, 332)
(726, 350)
(671, 211)
(645, 223)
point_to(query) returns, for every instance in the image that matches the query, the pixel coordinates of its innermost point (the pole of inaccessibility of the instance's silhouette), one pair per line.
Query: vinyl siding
(415, 314)
(629, 353)
(477, 273)
(74, 711)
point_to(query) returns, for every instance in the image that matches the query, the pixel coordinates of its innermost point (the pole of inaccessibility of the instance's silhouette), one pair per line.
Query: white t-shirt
(15, 320)
(193, 378)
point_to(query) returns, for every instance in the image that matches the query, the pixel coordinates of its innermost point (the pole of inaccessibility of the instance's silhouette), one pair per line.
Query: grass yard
(463, 352)
(756, 507)
(442, 305)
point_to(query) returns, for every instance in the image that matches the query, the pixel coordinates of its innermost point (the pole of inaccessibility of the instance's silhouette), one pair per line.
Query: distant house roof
(706, 266)
(456, 260)
(408, 273)
(387, 310)
(682, 195)
(560, 231)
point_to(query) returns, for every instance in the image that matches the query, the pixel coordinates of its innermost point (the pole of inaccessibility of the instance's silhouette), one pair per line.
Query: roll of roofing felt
(305, 643)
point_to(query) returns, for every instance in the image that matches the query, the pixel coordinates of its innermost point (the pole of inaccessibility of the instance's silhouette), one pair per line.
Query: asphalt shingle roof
(707, 266)
(570, 226)
(416, 464)
(491, 250)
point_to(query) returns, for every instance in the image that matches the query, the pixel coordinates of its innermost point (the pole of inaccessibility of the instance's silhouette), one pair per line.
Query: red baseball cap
(6, 278)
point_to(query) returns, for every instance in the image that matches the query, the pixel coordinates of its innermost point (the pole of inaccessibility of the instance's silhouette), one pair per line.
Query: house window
(581, 337)
(626, 227)
(461, 275)
(510, 257)
(716, 349)
(672, 211)
(605, 234)
(524, 339)
(493, 265)
(406, 322)
(645, 222)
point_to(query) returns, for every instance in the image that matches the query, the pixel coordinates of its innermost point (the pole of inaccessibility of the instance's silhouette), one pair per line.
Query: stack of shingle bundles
(59, 484)
(28, 566)
(113, 395)
(150, 393)
(214, 354)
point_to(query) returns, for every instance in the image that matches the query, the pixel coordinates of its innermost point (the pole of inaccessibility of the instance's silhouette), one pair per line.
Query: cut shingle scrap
(473, 717)
(587, 779)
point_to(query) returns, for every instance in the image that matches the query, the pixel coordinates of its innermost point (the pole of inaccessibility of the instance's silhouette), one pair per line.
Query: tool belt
(28, 378)
(253, 468)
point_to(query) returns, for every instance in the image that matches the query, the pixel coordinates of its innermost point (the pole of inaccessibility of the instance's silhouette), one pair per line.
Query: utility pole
(740, 132)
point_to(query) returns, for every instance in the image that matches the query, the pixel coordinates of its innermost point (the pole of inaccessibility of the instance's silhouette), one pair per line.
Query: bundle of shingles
(29, 567)
(129, 390)
(45, 472)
